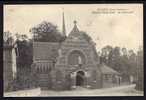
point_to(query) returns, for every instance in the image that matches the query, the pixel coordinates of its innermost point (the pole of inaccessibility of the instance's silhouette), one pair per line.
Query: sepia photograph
(54, 50)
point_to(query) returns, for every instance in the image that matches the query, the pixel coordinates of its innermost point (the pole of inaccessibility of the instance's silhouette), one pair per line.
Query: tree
(124, 52)
(105, 53)
(21, 37)
(114, 58)
(24, 61)
(125, 65)
(46, 32)
(6, 36)
(140, 71)
(132, 62)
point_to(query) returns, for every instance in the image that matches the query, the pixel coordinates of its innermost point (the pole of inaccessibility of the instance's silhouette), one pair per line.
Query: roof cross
(75, 22)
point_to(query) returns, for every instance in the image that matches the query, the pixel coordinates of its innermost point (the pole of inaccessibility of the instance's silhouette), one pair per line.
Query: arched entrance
(80, 78)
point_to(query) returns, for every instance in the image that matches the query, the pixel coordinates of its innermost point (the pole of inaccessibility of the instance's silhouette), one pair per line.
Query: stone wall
(61, 73)
(44, 51)
(93, 80)
(9, 65)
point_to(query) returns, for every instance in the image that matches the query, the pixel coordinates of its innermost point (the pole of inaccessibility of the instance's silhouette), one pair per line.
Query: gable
(77, 36)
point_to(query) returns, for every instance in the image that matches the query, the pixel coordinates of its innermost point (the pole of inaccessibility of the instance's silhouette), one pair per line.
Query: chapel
(70, 64)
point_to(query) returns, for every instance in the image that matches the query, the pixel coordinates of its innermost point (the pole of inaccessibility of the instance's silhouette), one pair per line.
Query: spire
(63, 25)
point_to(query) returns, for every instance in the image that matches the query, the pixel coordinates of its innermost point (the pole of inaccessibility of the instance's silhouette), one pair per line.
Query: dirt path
(116, 91)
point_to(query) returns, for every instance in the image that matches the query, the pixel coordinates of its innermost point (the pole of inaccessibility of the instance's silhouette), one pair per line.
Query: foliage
(46, 32)
(6, 36)
(140, 71)
(86, 36)
(126, 62)
(24, 61)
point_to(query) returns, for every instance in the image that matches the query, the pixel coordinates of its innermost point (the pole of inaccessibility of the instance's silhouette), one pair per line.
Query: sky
(107, 24)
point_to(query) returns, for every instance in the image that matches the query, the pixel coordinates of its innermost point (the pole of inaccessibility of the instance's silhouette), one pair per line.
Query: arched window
(76, 57)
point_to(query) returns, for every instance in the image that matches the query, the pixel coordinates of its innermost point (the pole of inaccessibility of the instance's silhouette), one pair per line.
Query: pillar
(73, 80)
(87, 75)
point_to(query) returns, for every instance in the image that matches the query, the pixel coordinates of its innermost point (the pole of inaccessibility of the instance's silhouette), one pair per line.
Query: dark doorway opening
(80, 78)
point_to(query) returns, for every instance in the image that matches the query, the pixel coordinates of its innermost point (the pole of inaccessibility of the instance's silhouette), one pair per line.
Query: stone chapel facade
(69, 64)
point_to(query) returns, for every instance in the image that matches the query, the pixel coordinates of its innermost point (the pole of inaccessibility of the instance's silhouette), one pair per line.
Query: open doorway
(80, 78)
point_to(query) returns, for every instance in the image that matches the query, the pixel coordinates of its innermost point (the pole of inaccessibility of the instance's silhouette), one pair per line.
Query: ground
(116, 91)
(126, 90)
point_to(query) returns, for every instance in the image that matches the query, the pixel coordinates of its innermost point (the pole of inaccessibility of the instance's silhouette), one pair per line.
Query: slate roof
(107, 70)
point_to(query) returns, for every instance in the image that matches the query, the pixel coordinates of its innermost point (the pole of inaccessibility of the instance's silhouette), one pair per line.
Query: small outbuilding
(110, 77)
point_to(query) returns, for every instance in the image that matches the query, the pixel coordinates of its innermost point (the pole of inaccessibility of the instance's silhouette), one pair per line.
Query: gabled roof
(107, 70)
(75, 31)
